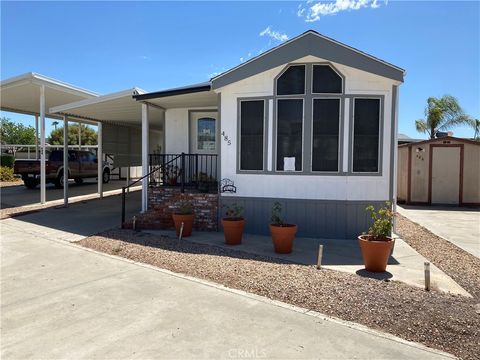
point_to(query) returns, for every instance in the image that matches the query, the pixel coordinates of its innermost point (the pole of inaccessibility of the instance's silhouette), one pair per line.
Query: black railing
(152, 171)
(192, 171)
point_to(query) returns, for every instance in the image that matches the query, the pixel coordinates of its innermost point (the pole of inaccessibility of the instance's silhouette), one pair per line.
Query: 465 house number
(226, 138)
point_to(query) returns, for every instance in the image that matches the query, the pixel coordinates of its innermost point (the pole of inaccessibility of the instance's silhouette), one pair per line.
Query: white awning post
(65, 161)
(36, 137)
(145, 146)
(43, 154)
(100, 159)
(79, 136)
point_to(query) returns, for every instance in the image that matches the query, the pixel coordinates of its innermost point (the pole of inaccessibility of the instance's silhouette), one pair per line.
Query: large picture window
(325, 139)
(252, 124)
(366, 132)
(289, 134)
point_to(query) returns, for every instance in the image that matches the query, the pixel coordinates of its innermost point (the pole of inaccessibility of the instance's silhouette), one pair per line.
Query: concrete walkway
(405, 264)
(14, 196)
(78, 220)
(63, 301)
(460, 226)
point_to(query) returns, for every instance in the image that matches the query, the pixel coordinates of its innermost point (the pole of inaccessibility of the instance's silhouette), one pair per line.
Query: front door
(204, 133)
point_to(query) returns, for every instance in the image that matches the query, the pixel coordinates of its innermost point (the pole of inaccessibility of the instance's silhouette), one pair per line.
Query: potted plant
(233, 224)
(377, 245)
(282, 234)
(183, 214)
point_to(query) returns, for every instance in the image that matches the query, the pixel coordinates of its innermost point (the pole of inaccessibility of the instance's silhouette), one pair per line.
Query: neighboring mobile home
(442, 171)
(310, 123)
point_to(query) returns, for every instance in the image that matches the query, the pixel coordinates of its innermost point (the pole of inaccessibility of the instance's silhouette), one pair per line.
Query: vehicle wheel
(59, 181)
(30, 183)
(78, 181)
(106, 176)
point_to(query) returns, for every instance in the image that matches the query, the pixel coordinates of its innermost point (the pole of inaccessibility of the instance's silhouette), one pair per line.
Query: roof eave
(173, 92)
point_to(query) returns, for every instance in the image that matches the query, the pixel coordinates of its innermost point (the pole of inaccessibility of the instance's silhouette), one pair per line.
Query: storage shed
(439, 171)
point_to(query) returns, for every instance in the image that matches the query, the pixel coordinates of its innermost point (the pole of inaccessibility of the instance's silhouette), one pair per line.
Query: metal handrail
(124, 188)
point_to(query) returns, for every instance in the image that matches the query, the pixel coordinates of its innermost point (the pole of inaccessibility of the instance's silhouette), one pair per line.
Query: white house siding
(328, 190)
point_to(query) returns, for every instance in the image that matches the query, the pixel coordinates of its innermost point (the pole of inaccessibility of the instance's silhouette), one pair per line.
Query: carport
(125, 125)
(33, 94)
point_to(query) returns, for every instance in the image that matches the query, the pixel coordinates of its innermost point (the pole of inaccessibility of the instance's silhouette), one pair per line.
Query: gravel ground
(446, 322)
(460, 265)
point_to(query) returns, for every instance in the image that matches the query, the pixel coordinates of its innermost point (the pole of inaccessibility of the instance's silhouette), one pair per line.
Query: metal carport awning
(120, 108)
(33, 94)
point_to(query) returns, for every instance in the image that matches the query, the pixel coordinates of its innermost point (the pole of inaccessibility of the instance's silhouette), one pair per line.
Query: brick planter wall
(162, 203)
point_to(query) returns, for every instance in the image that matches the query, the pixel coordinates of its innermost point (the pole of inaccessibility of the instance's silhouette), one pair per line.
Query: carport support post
(79, 136)
(144, 157)
(100, 159)
(42, 145)
(65, 161)
(36, 137)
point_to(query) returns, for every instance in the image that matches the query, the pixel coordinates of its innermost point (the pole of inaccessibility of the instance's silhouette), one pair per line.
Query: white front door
(204, 132)
(445, 175)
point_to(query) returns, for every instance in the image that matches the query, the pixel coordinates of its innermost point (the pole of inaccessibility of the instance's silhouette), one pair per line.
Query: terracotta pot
(233, 230)
(187, 224)
(282, 237)
(375, 253)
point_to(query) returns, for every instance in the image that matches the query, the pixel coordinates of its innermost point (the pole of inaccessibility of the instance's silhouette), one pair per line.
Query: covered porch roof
(21, 94)
(196, 95)
(119, 108)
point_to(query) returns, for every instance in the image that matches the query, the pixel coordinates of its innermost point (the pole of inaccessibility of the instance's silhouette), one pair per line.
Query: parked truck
(81, 164)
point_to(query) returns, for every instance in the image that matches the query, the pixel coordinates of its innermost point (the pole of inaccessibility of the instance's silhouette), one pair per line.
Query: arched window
(325, 80)
(292, 81)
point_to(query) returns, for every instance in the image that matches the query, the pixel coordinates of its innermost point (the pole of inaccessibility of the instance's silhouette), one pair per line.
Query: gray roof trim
(309, 43)
(206, 86)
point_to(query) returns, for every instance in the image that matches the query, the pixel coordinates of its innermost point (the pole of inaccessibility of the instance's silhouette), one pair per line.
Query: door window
(206, 131)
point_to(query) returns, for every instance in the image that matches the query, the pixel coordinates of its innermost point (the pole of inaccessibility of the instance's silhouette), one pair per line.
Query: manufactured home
(311, 123)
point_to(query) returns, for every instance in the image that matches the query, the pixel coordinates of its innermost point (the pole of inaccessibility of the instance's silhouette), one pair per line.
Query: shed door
(445, 175)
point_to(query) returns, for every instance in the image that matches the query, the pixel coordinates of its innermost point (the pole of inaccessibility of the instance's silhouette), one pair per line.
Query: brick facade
(163, 201)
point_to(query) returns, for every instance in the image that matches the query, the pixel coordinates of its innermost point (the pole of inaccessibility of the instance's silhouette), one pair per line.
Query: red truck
(81, 165)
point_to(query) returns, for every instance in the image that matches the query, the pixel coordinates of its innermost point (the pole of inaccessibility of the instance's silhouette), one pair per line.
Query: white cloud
(314, 11)
(276, 35)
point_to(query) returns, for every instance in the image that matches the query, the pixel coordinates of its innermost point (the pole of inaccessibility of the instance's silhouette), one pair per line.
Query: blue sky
(110, 46)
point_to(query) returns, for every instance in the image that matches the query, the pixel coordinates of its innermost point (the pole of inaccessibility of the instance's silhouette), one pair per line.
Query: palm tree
(441, 114)
(475, 124)
(55, 123)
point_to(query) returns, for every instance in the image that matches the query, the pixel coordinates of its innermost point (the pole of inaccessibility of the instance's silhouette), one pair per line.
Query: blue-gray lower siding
(331, 219)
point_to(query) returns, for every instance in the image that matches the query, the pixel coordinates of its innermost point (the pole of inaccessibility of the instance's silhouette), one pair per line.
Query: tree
(88, 135)
(441, 114)
(475, 124)
(14, 133)
(55, 123)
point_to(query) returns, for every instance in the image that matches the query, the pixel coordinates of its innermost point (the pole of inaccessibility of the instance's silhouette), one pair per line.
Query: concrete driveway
(63, 301)
(460, 226)
(14, 196)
